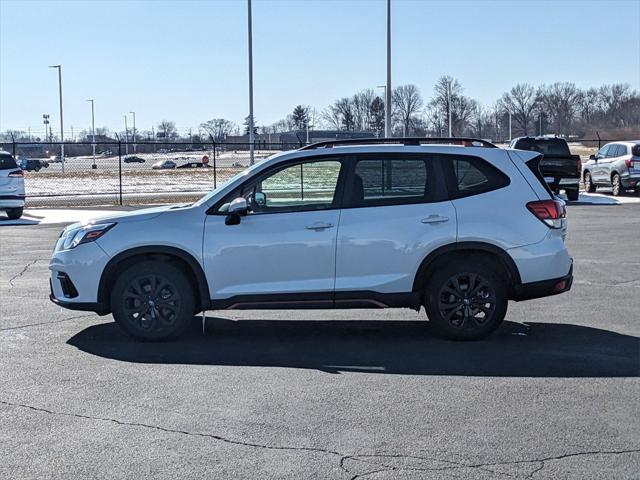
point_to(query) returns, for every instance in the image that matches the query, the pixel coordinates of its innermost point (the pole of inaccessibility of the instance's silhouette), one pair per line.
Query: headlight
(86, 234)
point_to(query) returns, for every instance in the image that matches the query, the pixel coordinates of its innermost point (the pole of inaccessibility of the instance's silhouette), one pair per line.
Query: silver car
(616, 165)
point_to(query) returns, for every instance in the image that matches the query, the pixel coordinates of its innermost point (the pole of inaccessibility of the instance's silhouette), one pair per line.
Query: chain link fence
(125, 173)
(119, 173)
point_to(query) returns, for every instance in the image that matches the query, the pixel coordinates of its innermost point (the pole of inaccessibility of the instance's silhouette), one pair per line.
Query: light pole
(93, 135)
(126, 136)
(59, 67)
(251, 139)
(387, 106)
(134, 131)
(449, 108)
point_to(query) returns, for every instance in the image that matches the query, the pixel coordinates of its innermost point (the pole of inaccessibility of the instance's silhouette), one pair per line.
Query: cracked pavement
(328, 394)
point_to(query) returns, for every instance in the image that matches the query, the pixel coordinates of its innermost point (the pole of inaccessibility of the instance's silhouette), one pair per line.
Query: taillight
(16, 173)
(629, 162)
(551, 212)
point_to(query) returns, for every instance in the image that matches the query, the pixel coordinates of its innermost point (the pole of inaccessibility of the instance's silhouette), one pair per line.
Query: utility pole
(251, 136)
(509, 125)
(134, 131)
(93, 134)
(59, 67)
(387, 112)
(126, 136)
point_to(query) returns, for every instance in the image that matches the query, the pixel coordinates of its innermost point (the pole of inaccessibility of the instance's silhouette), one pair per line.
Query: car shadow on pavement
(397, 347)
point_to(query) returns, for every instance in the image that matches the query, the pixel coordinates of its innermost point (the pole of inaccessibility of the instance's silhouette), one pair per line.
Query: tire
(589, 186)
(456, 315)
(616, 185)
(573, 194)
(152, 301)
(15, 213)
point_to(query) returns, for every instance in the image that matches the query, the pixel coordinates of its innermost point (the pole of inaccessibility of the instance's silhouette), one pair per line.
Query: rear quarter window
(7, 162)
(467, 176)
(635, 150)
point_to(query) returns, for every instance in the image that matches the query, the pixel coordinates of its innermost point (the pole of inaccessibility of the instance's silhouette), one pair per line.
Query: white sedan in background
(164, 164)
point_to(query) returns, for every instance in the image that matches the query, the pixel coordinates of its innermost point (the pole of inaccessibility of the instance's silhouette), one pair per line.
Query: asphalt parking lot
(329, 394)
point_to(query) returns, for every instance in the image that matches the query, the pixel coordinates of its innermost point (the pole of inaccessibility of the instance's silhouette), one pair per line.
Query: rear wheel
(466, 299)
(616, 185)
(572, 194)
(589, 186)
(15, 213)
(152, 301)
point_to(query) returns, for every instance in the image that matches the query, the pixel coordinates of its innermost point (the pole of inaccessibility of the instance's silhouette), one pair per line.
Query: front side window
(297, 187)
(388, 181)
(604, 151)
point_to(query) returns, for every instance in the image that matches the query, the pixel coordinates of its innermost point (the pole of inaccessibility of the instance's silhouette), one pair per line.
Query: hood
(131, 216)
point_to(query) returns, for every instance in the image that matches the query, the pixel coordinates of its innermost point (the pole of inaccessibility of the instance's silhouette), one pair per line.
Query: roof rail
(414, 141)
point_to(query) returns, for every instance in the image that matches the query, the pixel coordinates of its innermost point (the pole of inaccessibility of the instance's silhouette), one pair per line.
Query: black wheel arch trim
(194, 265)
(505, 258)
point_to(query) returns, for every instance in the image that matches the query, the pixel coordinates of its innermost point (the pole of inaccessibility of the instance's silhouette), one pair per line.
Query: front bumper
(544, 288)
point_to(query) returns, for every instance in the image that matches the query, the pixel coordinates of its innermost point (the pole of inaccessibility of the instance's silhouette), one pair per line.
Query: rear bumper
(11, 201)
(544, 288)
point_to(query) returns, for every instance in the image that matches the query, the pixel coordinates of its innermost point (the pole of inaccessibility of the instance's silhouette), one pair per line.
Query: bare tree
(561, 103)
(447, 96)
(218, 128)
(168, 129)
(521, 101)
(407, 102)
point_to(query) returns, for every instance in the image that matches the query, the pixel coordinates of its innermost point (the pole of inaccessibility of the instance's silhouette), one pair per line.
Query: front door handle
(435, 219)
(319, 226)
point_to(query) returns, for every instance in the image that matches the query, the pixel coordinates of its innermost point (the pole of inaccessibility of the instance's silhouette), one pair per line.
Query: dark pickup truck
(560, 169)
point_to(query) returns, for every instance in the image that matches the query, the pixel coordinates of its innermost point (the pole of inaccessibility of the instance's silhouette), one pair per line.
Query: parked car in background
(133, 159)
(30, 164)
(55, 159)
(164, 165)
(12, 194)
(460, 230)
(616, 165)
(194, 165)
(560, 169)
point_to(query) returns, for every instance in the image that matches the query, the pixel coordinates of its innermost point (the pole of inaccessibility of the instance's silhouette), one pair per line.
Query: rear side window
(389, 181)
(7, 162)
(472, 175)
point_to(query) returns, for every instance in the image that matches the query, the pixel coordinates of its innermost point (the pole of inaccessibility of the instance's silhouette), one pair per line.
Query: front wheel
(15, 213)
(152, 301)
(466, 299)
(589, 186)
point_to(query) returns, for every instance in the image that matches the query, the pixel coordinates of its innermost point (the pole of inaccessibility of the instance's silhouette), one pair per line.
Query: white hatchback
(12, 194)
(456, 226)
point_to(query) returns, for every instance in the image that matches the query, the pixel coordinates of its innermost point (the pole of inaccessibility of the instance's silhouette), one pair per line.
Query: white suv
(11, 186)
(458, 229)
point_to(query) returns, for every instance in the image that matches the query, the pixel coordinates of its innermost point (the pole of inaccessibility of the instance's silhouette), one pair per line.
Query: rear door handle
(435, 219)
(319, 226)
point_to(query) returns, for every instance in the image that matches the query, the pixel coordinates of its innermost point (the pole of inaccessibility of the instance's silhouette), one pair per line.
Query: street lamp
(449, 108)
(93, 135)
(59, 67)
(385, 107)
(126, 136)
(251, 139)
(134, 131)
(387, 116)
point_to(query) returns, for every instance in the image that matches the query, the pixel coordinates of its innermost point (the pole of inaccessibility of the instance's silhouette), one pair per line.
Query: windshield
(550, 146)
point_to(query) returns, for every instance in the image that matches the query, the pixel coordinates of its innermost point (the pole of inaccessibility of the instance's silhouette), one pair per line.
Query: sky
(186, 61)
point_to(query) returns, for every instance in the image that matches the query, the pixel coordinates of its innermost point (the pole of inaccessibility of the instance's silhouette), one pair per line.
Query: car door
(394, 213)
(285, 246)
(599, 164)
(614, 152)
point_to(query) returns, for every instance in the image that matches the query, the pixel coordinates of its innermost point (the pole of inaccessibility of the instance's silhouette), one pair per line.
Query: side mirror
(260, 199)
(592, 157)
(237, 207)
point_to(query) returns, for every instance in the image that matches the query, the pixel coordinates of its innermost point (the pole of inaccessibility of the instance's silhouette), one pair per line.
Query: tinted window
(388, 181)
(472, 175)
(7, 161)
(635, 150)
(546, 146)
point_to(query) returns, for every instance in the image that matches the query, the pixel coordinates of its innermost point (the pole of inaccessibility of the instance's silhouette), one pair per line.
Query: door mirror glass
(259, 199)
